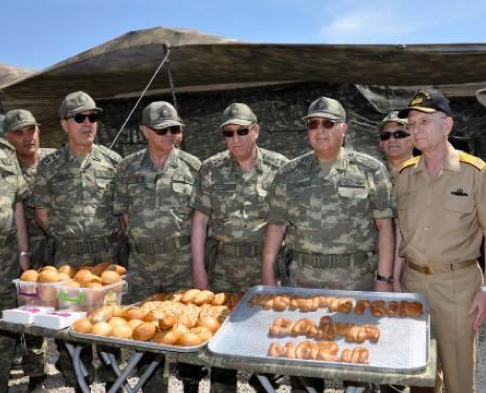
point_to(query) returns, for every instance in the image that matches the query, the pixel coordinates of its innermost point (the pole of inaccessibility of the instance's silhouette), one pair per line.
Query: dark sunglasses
(172, 129)
(400, 134)
(240, 132)
(79, 118)
(326, 123)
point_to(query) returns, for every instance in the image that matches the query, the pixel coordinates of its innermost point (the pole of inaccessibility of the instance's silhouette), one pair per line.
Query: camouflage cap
(159, 115)
(427, 101)
(481, 96)
(392, 117)
(238, 113)
(77, 102)
(1, 124)
(18, 118)
(327, 108)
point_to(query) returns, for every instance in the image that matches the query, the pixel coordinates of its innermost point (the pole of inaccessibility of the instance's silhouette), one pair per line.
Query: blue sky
(39, 33)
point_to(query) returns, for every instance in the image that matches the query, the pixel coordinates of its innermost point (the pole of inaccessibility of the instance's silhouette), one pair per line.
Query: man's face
(429, 130)
(162, 140)
(398, 143)
(325, 135)
(241, 140)
(25, 140)
(80, 129)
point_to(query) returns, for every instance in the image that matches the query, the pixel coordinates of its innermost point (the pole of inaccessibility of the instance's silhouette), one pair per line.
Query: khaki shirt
(235, 201)
(331, 213)
(442, 219)
(156, 200)
(78, 192)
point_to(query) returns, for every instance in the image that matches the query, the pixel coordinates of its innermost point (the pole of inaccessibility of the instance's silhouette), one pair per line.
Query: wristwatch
(25, 254)
(388, 279)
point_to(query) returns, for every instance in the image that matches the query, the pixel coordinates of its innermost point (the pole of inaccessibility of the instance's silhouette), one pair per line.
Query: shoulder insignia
(217, 160)
(190, 160)
(50, 158)
(411, 162)
(112, 155)
(274, 158)
(364, 159)
(302, 160)
(472, 160)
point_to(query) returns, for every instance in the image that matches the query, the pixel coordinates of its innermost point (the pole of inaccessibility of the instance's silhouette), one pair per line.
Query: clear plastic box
(88, 300)
(30, 293)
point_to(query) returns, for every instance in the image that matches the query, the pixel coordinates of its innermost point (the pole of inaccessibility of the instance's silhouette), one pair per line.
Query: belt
(428, 269)
(240, 250)
(155, 248)
(332, 260)
(86, 247)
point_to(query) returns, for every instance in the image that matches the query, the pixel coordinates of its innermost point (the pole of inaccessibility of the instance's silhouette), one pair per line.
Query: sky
(39, 33)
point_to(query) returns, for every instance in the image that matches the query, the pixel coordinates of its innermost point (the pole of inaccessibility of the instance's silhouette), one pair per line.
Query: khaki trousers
(450, 296)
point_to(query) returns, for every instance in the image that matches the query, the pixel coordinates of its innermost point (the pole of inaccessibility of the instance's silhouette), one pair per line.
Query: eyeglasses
(79, 117)
(172, 129)
(423, 122)
(399, 134)
(326, 123)
(240, 132)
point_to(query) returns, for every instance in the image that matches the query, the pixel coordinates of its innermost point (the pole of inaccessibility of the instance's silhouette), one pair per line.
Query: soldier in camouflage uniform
(13, 246)
(73, 197)
(334, 207)
(152, 192)
(229, 199)
(22, 131)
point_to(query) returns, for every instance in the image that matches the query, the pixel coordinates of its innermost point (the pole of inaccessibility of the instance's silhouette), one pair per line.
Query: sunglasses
(400, 134)
(326, 123)
(172, 129)
(240, 132)
(79, 118)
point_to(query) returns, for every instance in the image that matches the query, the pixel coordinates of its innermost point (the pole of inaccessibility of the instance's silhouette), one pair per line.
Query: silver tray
(403, 346)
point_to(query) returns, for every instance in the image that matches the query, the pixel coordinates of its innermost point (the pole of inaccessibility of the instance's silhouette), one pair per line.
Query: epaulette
(472, 160)
(190, 160)
(50, 158)
(411, 162)
(217, 160)
(112, 155)
(303, 160)
(274, 158)
(364, 159)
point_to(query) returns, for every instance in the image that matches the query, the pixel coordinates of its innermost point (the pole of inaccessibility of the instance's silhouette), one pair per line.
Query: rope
(166, 58)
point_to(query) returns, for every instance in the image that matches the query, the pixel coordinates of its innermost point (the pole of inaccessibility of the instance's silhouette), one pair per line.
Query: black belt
(155, 248)
(240, 250)
(331, 261)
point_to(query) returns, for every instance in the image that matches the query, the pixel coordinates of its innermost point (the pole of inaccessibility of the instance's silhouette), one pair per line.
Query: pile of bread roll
(184, 318)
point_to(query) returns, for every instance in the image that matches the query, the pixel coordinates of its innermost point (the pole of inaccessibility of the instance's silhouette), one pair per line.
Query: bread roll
(82, 326)
(122, 331)
(144, 332)
(48, 276)
(101, 329)
(110, 277)
(29, 275)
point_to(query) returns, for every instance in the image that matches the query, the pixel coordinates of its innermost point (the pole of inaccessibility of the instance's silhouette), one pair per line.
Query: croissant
(361, 306)
(360, 334)
(356, 355)
(341, 305)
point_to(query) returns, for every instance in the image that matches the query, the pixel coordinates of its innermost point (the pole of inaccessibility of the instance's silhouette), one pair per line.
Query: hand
(479, 306)
(25, 262)
(200, 281)
(397, 286)
(382, 286)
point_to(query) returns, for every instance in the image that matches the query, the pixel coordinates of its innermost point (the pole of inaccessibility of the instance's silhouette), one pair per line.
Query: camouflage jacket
(332, 214)
(78, 192)
(235, 201)
(35, 232)
(13, 188)
(156, 200)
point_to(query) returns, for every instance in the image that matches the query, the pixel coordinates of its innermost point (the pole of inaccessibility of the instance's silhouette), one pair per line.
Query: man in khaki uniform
(152, 193)
(395, 141)
(229, 198)
(22, 131)
(441, 222)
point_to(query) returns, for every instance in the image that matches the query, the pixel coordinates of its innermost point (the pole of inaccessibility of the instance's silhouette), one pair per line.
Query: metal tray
(403, 346)
(137, 344)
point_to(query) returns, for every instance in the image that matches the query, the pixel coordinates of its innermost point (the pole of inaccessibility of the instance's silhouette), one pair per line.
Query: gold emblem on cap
(419, 97)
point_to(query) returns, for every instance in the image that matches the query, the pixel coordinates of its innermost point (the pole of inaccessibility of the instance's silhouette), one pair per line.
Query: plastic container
(37, 293)
(88, 300)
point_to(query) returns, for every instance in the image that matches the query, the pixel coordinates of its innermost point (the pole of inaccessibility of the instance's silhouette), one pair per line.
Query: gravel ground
(55, 382)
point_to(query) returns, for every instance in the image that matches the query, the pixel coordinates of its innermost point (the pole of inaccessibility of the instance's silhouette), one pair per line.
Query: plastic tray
(403, 346)
(30, 293)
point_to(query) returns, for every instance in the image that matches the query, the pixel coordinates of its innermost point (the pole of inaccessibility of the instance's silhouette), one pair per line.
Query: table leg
(266, 383)
(79, 368)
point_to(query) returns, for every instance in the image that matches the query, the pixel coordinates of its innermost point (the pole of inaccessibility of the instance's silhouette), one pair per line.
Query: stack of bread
(185, 318)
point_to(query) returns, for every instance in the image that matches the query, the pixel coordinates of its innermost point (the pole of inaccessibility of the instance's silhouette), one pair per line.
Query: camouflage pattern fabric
(79, 193)
(235, 201)
(37, 237)
(235, 274)
(157, 206)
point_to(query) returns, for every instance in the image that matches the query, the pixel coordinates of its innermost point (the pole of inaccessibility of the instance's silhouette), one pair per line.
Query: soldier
(395, 141)
(73, 196)
(334, 207)
(442, 220)
(14, 246)
(22, 131)
(152, 193)
(229, 198)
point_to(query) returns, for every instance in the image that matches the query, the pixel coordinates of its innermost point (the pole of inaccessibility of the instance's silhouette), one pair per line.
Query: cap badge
(419, 98)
